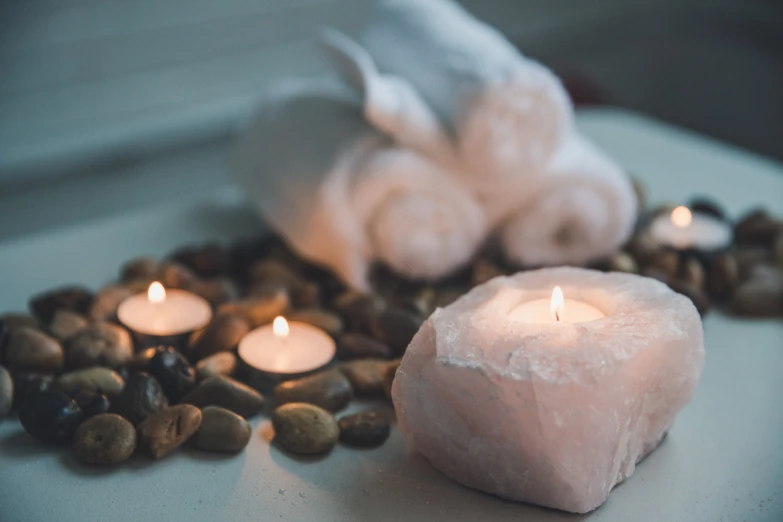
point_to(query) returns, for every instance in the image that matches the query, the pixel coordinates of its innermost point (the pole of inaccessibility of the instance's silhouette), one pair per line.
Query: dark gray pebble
(141, 397)
(51, 416)
(74, 298)
(359, 346)
(173, 372)
(365, 430)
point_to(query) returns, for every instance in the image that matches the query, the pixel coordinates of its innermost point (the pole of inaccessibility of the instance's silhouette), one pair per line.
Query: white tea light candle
(557, 309)
(504, 398)
(160, 312)
(683, 229)
(287, 348)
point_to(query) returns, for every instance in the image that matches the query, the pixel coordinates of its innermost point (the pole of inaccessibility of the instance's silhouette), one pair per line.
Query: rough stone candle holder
(551, 414)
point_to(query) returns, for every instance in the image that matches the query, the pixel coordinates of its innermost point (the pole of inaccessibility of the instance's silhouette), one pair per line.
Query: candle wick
(557, 315)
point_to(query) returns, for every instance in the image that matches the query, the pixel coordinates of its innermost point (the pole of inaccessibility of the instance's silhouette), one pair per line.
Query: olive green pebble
(222, 430)
(106, 439)
(95, 379)
(305, 429)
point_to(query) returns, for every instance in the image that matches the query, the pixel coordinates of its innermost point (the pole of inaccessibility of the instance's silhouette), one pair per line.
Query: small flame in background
(280, 327)
(156, 293)
(557, 304)
(681, 217)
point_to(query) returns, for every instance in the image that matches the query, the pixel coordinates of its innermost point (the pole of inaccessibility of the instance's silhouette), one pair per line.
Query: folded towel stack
(440, 134)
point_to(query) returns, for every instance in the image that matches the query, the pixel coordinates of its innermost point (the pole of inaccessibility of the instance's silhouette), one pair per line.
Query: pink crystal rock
(551, 414)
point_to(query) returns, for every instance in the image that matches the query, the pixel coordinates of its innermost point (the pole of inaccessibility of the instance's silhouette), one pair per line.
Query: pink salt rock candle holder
(518, 392)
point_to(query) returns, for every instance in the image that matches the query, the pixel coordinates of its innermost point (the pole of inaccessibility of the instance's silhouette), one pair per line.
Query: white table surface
(723, 460)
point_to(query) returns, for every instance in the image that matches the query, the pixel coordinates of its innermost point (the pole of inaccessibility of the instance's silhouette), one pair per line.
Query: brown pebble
(106, 439)
(365, 376)
(209, 260)
(748, 258)
(30, 350)
(14, 321)
(447, 296)
(697, 295)
(142, 268)
(100, 344)
(166, 430)
(222, 363)
(227, 393)
(421, 303)
(96, 380)
(643, 247)
(215, 291)
(174, 275)
(757, 228)
(222, 430)
(6, 392)
(723, 276)
(66, 324)
(666, 262)
(367, 429)
(222, 334)
(777, 250)
(74, 298)
(328, 389)
(258, 311)
(389, 372)
(305, 429)
(693, 273)
(623, 262)
(107, 301)
(396, 328)
(327, 321)
(758, 297)
(360, 346)
(273, 273)
(359, 309)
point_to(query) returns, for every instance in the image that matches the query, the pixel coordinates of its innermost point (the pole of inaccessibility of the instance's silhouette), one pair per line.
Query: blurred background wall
(89, 87)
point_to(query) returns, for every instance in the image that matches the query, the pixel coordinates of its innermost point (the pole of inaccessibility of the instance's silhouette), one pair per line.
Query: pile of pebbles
(745, 279)
(73, 375)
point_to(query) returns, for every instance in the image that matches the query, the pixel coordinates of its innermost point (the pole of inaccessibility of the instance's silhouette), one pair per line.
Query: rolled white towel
(507, 113)
(343, 196)
(295, 162)
(418, 219)
(583, 208)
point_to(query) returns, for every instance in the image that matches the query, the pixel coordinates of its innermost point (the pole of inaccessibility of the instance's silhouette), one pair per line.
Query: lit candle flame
(156, 293)
(280, 326)
(681, 217)
(558, 303)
